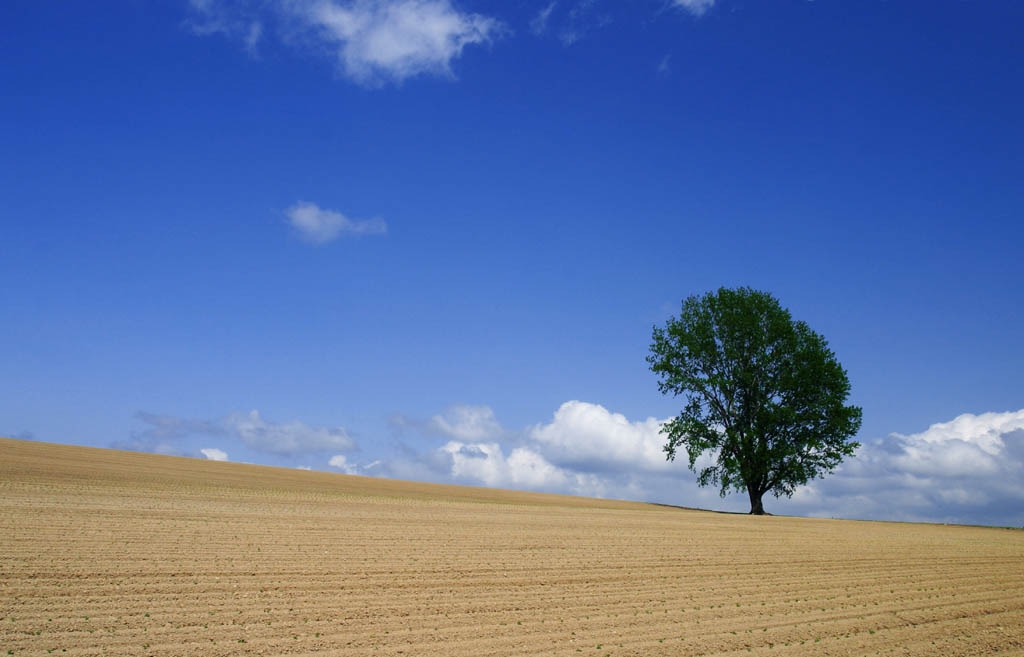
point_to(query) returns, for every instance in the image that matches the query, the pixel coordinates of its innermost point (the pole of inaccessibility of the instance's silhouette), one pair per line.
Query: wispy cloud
(374, 41)
(458, 421)
(695, 7)
(664, 67)
(163, 433)
(231, 19)
(169, 427)
(252, 36)
(539, 24)
(285, 438)
(321, 226)
(582, 19)
(466, 422)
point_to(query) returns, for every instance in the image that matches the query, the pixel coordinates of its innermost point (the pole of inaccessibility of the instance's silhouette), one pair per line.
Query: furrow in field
(107, 553)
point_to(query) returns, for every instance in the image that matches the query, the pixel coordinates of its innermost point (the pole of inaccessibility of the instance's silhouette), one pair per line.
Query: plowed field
(117, 553)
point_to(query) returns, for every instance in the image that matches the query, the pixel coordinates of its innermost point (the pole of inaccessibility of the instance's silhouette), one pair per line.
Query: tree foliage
(764, 394)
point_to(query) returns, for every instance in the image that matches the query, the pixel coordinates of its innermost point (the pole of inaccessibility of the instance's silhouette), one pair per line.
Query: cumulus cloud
(984, 431)
(967, 470)
(374, 41)
(523, 468)
(397, 39)
(695, 7)
(320, 226)
(163, 434)
(214, 454)
(591, 437)
(584, 450)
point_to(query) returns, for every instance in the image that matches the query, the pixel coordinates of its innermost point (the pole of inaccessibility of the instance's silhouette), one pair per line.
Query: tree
(764, 394)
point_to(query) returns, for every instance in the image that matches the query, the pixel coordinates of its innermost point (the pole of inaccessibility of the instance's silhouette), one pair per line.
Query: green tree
(764, 394)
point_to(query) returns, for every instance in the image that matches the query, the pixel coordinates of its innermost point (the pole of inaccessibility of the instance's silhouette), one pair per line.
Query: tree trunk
(756, 508)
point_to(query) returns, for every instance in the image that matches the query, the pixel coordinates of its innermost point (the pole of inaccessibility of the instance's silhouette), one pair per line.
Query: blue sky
(428, 239)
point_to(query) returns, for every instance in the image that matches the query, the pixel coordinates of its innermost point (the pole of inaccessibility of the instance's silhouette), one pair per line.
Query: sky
(429, 239)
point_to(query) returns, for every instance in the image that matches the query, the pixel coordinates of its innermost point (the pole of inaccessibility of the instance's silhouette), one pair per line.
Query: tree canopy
(765, 396)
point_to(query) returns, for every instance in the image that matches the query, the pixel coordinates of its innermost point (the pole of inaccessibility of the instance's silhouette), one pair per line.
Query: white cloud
(341, 462)
(466, 422)
(967, 470)
(539, 24)
(164, 433)
(374, 41)
(483, 462)
(285, 438)
(321, 226)
(589, 436)
(584, 450)
(970, 469)
(524, 468)
(695, 7)
(398, 39)
(214, 454)
(984, 431)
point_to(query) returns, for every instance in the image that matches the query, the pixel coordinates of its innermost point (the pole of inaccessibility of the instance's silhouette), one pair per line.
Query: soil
(105, 552)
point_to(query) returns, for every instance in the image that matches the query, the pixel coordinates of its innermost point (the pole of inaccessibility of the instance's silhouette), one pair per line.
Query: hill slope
(107, 552)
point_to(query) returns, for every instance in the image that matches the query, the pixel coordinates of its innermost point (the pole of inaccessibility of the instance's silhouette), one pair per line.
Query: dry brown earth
(116, 553)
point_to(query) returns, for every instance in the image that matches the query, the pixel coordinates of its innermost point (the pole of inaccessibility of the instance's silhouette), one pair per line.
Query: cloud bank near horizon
(966, 470)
